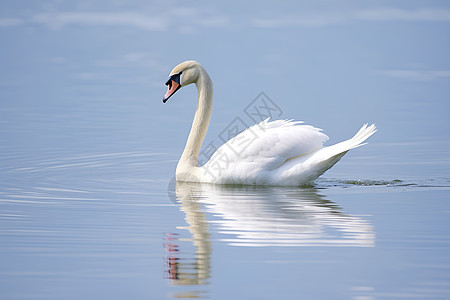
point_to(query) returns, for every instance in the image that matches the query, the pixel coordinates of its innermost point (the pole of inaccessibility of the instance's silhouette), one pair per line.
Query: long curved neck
(189, 158)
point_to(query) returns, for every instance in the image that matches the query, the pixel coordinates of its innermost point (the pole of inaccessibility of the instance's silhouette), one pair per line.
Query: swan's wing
(264, 147)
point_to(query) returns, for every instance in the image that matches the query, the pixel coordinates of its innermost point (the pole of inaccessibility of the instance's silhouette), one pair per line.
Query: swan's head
(184, 74)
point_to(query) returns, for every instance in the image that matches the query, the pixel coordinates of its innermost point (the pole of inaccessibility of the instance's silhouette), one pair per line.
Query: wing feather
(264, 147)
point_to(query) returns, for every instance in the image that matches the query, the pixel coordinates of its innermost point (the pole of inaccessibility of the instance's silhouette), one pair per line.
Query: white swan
(281, 152)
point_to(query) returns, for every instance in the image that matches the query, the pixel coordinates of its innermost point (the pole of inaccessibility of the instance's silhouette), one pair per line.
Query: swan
(282, 152)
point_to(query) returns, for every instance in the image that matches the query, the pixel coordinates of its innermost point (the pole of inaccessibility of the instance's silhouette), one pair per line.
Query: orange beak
(173, 85)
(172, 88)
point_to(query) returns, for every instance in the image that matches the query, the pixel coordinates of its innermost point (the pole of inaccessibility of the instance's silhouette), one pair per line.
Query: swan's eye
(176, 77)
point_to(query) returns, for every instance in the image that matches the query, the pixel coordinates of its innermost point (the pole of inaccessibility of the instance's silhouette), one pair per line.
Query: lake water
(98, 216)
(88, 205)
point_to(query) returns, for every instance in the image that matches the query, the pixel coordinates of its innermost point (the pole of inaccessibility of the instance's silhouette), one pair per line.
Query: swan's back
(254, 155)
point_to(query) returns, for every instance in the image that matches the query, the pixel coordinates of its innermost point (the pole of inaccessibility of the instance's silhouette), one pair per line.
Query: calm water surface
(114, 225)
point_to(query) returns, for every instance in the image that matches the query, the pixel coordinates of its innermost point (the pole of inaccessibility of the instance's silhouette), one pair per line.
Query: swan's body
(269, 153)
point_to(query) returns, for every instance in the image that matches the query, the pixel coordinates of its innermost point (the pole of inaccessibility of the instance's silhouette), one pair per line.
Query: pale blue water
(106, 225)
(88, 205)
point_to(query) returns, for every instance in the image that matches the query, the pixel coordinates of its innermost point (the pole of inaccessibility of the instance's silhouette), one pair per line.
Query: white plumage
(277, 152)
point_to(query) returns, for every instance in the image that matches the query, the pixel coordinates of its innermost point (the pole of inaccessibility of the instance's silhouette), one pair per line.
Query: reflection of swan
(255, 216)
(275, 217)
(280, 153)
(184, 271)
(272, 216)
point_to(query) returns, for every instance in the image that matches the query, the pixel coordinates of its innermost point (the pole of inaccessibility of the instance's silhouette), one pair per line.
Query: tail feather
(328, 156)
(363, 134)
(356, 141)
(306, 169)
